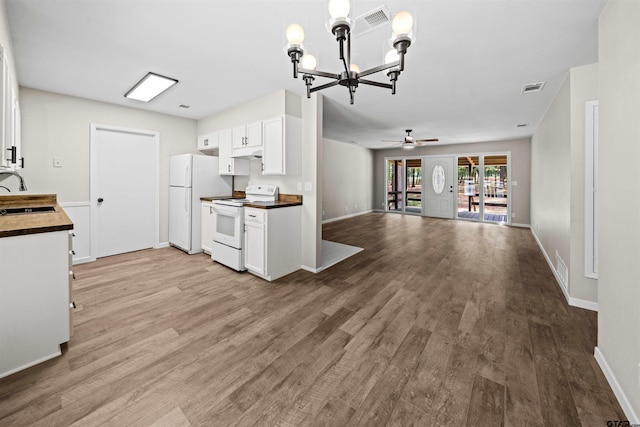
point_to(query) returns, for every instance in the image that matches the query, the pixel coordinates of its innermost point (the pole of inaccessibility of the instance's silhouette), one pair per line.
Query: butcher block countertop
(32, 223)
(284, 200)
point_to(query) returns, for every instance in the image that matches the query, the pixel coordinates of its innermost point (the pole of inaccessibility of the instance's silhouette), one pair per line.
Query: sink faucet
(22, 186)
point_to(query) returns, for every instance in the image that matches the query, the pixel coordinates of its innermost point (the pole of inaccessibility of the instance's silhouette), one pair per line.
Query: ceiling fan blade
(390, 140)
(424, 141)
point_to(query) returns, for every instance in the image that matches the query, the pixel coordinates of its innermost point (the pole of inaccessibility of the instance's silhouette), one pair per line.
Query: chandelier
(340, 26)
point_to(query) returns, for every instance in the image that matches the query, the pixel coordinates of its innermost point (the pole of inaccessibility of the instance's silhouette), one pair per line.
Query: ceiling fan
(409, 143)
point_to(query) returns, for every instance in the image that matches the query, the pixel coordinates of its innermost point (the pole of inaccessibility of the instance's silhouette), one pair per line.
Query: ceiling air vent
(533, 87)
(372, 20)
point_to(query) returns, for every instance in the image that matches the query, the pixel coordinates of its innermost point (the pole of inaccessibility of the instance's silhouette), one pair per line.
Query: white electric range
(228, 230)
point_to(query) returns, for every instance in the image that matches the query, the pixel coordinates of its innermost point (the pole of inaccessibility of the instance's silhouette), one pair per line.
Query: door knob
(100, 200)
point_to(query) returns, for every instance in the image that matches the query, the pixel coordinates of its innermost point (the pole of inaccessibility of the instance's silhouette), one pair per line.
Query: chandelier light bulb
(339, 8)
(391, 56)
(402, 23)
(295, 34)
(354, 68)
(309, 62)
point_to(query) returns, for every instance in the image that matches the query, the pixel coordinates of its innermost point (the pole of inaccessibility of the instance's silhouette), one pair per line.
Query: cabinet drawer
(254, 215)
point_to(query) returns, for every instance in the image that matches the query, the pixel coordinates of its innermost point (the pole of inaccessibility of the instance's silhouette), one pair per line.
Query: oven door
(227, 228)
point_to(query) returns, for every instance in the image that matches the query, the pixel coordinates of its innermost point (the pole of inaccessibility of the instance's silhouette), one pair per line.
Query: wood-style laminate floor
(435, 322)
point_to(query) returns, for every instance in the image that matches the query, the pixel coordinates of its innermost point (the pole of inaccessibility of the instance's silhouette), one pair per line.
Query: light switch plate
(307, 186)
(57, 162)
(514, 183)
(299, 186)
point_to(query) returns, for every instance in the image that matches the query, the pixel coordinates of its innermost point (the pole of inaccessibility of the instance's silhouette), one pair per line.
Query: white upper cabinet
(247, 135)
(228, 165)
(208, 142)
(282, 146)
(9, 118)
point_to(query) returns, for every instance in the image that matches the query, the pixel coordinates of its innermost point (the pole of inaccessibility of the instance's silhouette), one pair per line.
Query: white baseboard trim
(516, 224)
(161, 245)
(615, 386)
(325, 221)
(573, 302)
(312, 270)
(83, 260)
(583, 303)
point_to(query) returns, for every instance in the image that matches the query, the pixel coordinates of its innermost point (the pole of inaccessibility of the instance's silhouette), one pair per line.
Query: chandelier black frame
(341, 28)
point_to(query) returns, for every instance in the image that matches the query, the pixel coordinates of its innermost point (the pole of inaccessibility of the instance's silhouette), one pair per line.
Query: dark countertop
(284, 200)
(272, 205)
(32, 223)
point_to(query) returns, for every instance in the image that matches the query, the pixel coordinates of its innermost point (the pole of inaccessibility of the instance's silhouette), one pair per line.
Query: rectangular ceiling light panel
(149, 87)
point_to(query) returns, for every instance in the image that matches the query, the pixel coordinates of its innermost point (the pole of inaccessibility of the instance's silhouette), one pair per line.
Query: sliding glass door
(404, 185)
(395, 186)
(483, 189)
(495, 188)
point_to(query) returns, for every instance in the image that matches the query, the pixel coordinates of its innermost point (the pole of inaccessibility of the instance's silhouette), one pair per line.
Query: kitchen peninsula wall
(310, 111)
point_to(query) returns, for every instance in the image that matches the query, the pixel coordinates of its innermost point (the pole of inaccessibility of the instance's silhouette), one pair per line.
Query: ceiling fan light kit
(341, 26)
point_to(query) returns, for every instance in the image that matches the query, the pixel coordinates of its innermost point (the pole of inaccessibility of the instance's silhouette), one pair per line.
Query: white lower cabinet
(254, 241)
(272, 241)
(207, 227)
(35, 314)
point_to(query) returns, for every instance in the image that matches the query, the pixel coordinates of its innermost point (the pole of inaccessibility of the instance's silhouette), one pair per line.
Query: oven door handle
(234, 212)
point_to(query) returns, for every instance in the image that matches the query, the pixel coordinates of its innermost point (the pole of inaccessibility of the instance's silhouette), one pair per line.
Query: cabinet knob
(100, 200)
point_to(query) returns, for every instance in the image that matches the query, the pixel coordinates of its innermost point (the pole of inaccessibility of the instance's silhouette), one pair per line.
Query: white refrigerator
(192, 176)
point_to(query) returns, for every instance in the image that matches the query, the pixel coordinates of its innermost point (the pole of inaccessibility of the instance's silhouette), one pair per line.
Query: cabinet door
(224, 152)
(254, 135)
(273, 147)
(254, 247)
(238, 134)
(208, 142)
(207, 227)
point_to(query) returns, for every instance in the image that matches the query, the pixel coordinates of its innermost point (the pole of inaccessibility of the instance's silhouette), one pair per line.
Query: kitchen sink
(26, 210)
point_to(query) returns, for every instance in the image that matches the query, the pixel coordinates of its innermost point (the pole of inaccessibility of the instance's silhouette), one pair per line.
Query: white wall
(619, 206)
(347, 180)
(55, 125)
(584, 87)
(520, 169)
(558, 182)
(551, 177)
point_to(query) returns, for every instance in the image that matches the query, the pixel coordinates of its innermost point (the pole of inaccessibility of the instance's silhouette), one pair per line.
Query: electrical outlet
(514, 183)
(513, 214)
(323, 212)
(307, 186)
(299, 186)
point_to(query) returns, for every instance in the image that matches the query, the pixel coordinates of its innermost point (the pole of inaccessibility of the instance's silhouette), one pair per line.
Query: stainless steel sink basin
(26, 210)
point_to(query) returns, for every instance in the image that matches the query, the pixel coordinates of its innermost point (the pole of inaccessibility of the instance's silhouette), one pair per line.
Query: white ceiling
(462, 82)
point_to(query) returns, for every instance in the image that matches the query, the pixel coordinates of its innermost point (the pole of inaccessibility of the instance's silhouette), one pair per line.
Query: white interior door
(124, 190)
(438, 186)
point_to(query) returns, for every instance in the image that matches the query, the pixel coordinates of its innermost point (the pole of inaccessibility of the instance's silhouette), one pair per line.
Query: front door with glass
(438, 188)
